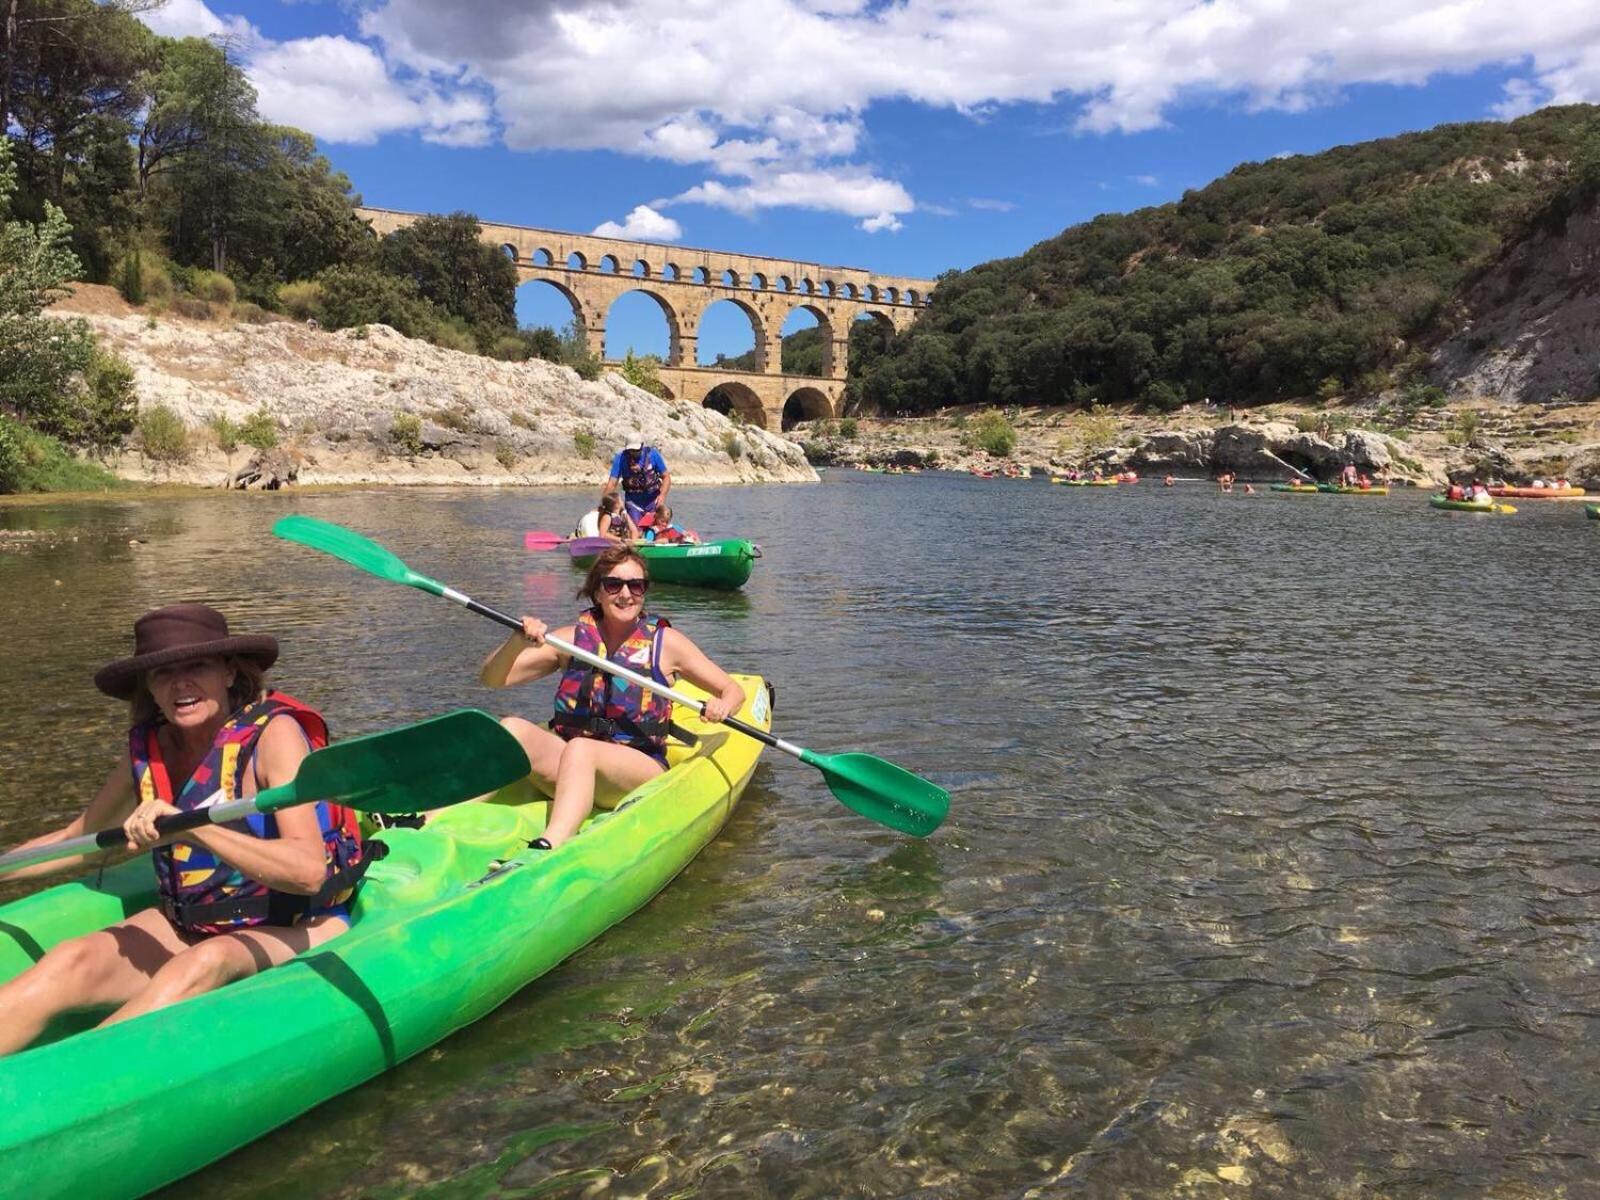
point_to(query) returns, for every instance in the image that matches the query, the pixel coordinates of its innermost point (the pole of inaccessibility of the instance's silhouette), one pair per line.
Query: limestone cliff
(344, 403)
(1529, 330)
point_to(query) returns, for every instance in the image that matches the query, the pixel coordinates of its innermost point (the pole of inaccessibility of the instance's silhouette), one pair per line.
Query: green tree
(643, 372)
(362, 295)
(452, 268)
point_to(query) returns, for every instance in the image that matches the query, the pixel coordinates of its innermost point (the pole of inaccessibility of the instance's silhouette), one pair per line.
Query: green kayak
(725, 564)
(1592, 511)
(439, 938)
(1299, 489)
(1468, 506)
(1335, 489)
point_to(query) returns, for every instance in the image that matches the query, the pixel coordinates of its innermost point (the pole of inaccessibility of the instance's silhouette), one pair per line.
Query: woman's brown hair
(608, 559)
(249, 685)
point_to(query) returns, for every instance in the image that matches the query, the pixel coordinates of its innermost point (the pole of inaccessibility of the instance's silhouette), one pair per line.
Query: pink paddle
(542, 539)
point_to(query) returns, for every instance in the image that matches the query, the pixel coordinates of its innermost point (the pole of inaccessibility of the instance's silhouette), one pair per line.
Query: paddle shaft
(110, 839)
(644, 681)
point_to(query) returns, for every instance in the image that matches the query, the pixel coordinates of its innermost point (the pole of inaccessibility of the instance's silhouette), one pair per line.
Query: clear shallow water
(1270, 867)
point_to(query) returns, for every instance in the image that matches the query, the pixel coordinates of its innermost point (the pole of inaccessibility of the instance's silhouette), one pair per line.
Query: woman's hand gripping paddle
(878, 790)
(427, 765)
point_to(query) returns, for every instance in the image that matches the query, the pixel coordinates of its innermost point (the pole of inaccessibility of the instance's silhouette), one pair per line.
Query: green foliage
(362, 295)
(130, 279)
(192, 307)
(259, 430)
(643, 372)
(405, 431)
(576, 354)
(33, 462)
(848, 428)
(523, 420)
(163, 437)
(452, 334)
(733, 445)
(251, 314)
(1467, 426)
(1263, 285)
(226, 433)
(108, 405)
(452, 268)
(301, 299)
(992, 432)
(584, 443)
(542, 342)
(505, 454)
(215, 288)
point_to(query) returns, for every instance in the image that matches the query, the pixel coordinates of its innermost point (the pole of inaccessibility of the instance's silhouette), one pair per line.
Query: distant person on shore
(641, 473)
(1349, 477)
(666, 532)
(607, 520)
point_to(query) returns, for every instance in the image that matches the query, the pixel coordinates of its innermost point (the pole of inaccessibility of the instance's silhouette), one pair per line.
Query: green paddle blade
(354, 549)
(882, 792)
(427, 765)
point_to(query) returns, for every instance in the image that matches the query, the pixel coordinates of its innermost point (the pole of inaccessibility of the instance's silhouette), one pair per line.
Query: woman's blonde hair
(249, 685)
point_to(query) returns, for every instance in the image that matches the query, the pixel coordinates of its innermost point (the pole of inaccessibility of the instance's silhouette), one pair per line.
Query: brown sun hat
(175, 634)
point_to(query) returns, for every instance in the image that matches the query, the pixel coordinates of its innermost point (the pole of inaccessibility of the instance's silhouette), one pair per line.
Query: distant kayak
(1335, 489)
(1299, 489)
(1593, 511)
(1533, 493)
(726, 564)
(1468, 506)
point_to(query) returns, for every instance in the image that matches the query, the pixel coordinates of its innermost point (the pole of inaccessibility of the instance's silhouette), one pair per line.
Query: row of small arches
(608, 265)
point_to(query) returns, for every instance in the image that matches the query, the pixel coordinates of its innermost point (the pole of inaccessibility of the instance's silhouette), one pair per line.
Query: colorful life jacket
(619, 525)
(596, 704)
(200, 892)
(639, 475)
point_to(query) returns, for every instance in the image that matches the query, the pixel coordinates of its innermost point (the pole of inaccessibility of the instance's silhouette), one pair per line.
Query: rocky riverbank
(371, 406)
(1423, 446)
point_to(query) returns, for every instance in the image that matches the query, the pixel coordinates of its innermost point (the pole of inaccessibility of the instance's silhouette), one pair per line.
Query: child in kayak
(608, 735)
(608, 520)
(664, 531)
(235, 899)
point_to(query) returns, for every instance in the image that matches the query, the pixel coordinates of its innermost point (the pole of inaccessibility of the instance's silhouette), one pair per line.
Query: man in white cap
(643, 476)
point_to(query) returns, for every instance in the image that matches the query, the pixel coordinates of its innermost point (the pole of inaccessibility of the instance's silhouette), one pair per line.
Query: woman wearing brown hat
(233, 899)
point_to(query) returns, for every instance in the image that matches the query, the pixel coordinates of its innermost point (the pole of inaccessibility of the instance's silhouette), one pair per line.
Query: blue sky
(908, 137)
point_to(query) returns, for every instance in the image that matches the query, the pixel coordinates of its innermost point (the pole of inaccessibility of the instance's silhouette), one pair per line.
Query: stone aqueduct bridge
(593, 272)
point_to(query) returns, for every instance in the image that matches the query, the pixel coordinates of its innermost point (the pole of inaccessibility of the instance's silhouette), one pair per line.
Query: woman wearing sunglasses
(608, 735)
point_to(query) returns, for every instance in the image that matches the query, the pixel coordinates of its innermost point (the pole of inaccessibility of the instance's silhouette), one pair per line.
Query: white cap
(635, 445)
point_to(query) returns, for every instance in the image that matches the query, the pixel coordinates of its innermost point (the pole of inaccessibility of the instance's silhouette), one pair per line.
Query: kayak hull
(1334, 490)
(1533, 493)
(439, 940)
(1297, 489)
(1440, 502)
(1592, 511)
(726, 564)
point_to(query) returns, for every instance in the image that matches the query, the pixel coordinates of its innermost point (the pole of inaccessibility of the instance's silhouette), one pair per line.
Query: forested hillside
(1310, 275)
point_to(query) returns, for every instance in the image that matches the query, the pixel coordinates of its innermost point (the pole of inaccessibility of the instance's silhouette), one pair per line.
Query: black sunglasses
(615, 583)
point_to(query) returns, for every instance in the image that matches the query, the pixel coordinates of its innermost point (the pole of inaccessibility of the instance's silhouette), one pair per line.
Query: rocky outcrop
(371, 406)
(1530, 330)
(1270, 450)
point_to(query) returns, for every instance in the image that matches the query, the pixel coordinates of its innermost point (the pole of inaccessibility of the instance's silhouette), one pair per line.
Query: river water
(1270, 868)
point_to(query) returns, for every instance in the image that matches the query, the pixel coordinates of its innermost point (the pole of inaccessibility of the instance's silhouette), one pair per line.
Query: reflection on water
(1269, 865)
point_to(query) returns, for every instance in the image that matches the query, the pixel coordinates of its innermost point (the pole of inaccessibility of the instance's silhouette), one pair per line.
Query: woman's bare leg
(108, 967)
(225, 957)
(584, 763)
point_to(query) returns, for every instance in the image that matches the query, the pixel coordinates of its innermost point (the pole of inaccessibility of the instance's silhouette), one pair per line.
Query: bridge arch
(542, 258)
(674, 349)
(758, 325)
(641, 269)
(733, 398)
(805, 404)
(561, 289)
(607, 265)
(577, 262)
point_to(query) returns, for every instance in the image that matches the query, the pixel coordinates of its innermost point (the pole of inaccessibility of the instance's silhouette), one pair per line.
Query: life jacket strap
(278, 908)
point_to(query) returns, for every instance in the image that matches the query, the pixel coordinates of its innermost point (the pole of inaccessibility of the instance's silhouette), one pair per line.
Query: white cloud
(643, 224)
(853, 191)
(764, 91)
(984, 205)
(1146, 180)
(191, 18)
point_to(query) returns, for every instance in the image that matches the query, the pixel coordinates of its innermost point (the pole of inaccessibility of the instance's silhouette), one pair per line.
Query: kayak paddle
(878, 790)
(427, 765)
(543, 539)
